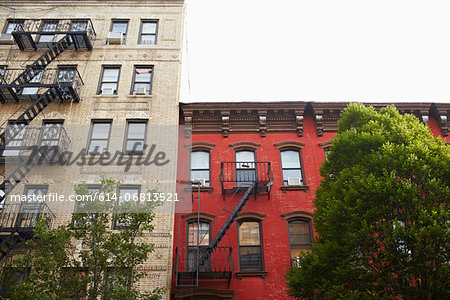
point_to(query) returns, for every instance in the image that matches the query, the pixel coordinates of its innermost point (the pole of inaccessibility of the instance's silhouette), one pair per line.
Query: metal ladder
(219, 236)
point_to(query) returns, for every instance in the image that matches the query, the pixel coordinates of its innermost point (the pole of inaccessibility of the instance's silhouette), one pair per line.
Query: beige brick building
(105, 75)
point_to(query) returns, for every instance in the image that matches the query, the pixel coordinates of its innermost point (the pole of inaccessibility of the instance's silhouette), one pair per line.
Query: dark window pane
(250, 258)
(299, 232)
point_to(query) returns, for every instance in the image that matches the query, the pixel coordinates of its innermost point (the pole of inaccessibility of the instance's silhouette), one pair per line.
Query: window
(109, 81)
(11, 25)
(122, 27)
(84, 209)
(245, 168)
(300, 236)
(142, 81)
(98, 142)
(34, 191)
(51, 132)
(136, 132)
(198, 234)
(14, 139)
(48, 26)
(66, 74)
(291, 167)
(36, 78)
(250, 250)
(148, 32)
(31, 211)
(200, 167)
(78, 25)
(128, 193)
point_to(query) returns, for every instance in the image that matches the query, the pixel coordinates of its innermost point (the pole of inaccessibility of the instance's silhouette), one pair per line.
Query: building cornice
(267, 117)
(109, 3)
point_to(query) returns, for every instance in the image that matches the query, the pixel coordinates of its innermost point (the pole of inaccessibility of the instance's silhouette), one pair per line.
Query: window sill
(294, 188)
(106, 96)
(261, 274)
(140, 96)
(194, 189)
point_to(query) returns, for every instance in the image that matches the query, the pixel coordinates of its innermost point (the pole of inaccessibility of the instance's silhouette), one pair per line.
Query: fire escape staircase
(219, 236)
(206, 254)
(53, 92)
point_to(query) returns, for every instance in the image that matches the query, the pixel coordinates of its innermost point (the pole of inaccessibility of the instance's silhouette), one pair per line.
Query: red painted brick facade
(276, 251)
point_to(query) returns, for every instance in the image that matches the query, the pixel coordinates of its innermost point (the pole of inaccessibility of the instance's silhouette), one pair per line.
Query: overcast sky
(317, 50)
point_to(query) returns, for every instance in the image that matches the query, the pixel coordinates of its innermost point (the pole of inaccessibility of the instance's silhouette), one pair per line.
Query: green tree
(85, 258)
(382, 213)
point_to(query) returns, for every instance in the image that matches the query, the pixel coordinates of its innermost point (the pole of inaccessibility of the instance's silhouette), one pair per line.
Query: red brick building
(256, 165)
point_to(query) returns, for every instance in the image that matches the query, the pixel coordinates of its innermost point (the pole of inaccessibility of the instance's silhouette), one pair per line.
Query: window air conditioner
(6, 39)
(199, 181)
(294, 181)
(140, 91)
(115, 38)
(107, 91)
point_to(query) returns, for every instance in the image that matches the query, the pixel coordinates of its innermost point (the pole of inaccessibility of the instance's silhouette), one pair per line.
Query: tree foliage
(85, 258)
(382, 213)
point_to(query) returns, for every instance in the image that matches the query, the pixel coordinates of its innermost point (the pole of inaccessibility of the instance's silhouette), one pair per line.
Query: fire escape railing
(235, 175)
(37, 145)
(220, 264)
(56, 35)
(24, 216)
(40, 33)
(69, 81)
(18, 221)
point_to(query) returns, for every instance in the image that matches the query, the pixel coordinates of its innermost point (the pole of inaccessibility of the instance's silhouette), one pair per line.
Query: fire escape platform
(65, 87)
(237, 177)
(36, 34)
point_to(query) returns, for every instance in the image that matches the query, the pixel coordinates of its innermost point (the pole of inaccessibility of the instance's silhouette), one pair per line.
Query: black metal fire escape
(36, 34)
(256, 178)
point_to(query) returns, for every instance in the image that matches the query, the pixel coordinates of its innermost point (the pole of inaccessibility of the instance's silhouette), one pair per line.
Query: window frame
(208, 182)
(101, 81)
(51, 122)
(255, 160)
(91, 130)
(126, 138)
(11, 153)
(261, 244)
(302, 173)
(124, 34)
(311, 233)
(11, 21)
(133, 83)
(115, 223)
(205, 267)
(66, 68)
(41, 30)
(156, 21)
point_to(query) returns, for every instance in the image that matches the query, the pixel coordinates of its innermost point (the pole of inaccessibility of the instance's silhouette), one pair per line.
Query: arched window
(300, 236)
(245, 167)
(291, 163)
(198, 238)
(200, 167)
(250, 246)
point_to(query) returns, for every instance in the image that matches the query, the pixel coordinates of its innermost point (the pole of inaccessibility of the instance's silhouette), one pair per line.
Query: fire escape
(213, 262)
(41, 85)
